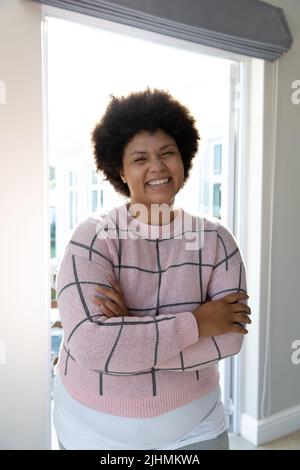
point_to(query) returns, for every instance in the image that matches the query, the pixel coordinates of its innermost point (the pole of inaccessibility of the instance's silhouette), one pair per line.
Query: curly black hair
(148, 110)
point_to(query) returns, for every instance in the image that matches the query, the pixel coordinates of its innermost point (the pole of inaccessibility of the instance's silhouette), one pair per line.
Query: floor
(289, 442)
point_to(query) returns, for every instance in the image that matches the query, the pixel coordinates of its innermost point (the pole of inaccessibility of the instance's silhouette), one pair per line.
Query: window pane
(76, 205)
(94, 200)
(53, 231)
(217, 200)
(94, 178)
(70, 178)
(52, 177)
(218, 159)
(71, 221)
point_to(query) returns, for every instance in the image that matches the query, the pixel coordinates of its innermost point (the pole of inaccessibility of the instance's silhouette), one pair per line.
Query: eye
(139, 159)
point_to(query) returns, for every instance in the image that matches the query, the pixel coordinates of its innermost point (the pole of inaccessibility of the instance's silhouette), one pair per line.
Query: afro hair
(148, 110)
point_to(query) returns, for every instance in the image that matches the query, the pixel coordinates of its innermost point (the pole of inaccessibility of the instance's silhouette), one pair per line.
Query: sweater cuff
(187, 329)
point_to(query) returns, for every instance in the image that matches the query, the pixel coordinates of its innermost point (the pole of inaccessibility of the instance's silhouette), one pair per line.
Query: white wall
(285, 377)
(24, 379)
(271, 401)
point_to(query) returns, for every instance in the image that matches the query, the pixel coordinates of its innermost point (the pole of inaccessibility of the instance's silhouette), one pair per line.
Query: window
(52, 201)
(94, 177)
(73, 199)
(97, 199)
(211, 178)
(52, 177)
(217, 159)
(53, 231)
(94, 200)
(215, 114)
(217, 200)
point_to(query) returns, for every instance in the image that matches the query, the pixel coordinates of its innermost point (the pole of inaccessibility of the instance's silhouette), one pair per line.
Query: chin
(161, 202)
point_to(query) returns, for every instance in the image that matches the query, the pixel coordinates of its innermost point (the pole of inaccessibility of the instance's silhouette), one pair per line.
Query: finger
(107, 312)
(232, 298)
(241, 317)
(118, 310)
(114, 308)
(98, 300)
(110, 294)
(239, 329)
(101, 303)
(115, 284)
(239, 307)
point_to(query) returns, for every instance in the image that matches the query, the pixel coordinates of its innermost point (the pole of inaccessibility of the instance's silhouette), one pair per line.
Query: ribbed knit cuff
(187, 329)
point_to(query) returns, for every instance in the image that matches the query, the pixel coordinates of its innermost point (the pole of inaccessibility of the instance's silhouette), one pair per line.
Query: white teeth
(158, 182)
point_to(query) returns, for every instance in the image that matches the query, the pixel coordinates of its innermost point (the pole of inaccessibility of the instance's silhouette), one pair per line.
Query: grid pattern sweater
(152, 360)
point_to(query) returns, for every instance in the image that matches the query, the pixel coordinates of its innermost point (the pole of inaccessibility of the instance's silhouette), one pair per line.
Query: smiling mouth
(158, 186)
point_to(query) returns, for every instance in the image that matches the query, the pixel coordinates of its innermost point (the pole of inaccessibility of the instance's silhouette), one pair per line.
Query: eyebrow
(161, 148)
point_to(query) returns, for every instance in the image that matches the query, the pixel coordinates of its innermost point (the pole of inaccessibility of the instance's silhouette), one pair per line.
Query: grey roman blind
(249, 27)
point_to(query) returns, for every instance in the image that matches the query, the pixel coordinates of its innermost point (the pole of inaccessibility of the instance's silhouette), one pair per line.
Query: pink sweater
(152, 360)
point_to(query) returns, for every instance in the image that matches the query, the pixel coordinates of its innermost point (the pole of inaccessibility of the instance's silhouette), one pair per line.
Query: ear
(122, 176)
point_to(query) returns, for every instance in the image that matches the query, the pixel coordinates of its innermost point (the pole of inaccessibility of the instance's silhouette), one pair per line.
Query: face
(149, 158)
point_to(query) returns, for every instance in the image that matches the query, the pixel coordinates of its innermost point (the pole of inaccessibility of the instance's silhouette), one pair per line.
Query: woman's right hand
(218, 317)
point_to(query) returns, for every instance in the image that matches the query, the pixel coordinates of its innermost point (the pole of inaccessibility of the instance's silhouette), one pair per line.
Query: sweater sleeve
(228, 276)
(124, 344)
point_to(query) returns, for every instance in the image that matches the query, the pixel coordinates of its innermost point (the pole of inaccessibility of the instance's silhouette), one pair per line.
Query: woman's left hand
(114, 305)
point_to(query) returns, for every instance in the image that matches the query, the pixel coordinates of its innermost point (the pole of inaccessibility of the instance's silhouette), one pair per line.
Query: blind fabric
(249, 27)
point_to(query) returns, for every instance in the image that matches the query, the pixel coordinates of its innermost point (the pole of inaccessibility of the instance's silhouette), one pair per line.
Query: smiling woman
(153, 175)
(137, 368)
(159, 141)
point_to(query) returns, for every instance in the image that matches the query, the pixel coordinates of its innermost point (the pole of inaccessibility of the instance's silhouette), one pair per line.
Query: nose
(156, 164)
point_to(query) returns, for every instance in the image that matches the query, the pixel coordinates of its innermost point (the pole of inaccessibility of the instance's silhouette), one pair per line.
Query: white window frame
(214, 178)
(72, 189)
(94, 187)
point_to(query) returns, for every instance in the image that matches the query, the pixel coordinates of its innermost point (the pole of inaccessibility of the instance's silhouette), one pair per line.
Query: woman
(150, 296)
